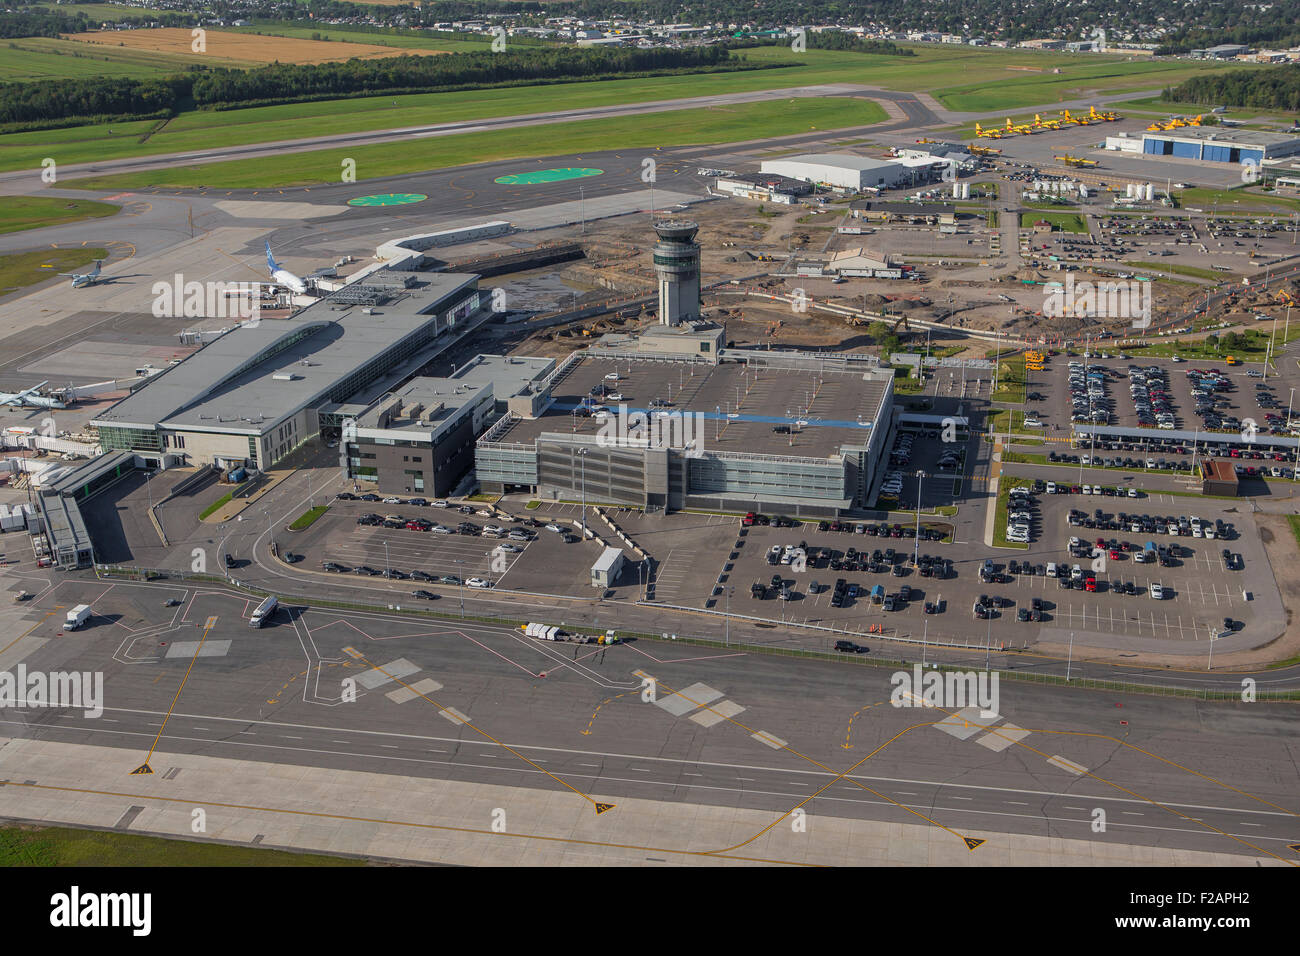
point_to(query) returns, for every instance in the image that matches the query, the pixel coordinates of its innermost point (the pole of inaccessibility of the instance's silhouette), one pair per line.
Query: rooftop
(255, 375)
(842, 406)
(1240, 137)
(841, 160)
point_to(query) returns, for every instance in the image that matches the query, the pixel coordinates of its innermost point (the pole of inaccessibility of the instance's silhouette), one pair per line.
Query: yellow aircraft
(1076, 161)
(983, 133)
(1108, 116)
(1196, 120)
(1040, 123)
(984, 151)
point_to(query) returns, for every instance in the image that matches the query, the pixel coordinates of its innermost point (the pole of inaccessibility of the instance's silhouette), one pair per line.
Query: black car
(369, 497)
(1022, 615)
(367, 569)
(334, 566)
(419, 502)
(422, 576)
(230, 562)
(448, 579)
(345, 496)
(848, 647)
(394, 574)
(427, 595)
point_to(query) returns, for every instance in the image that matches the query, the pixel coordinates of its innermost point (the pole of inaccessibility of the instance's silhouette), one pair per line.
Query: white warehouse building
(843, 170)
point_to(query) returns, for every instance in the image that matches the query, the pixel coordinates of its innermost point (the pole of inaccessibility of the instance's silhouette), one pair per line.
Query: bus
(263, 612)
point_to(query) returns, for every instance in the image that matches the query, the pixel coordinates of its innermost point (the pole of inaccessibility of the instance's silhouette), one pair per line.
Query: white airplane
(28, 398)
(82, 279)
(283, 276)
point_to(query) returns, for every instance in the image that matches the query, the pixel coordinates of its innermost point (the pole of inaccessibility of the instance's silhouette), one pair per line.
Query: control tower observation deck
(677, 263)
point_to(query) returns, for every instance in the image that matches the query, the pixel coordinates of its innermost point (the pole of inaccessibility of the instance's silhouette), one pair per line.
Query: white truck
(78, 616)
(549, 632)
(263, 612)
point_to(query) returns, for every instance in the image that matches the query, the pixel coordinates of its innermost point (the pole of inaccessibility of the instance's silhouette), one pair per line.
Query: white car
(493, 529)
(554, 527)
(483, 513)
(1132, 492)
(1033, 423)
(440, 529)
(392, 501)
(438, 504)
(509, 548)
(616, 397)
(478, 583)
(612, 377)
(1157, 592)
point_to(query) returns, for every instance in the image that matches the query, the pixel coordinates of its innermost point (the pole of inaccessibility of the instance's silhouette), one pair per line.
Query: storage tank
(1150, 192)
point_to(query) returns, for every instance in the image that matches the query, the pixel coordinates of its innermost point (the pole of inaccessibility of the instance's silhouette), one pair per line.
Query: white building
(842, 170)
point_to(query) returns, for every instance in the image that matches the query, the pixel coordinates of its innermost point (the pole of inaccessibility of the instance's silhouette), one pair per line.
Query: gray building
(795, 433)
(419, 439)
(256, 393)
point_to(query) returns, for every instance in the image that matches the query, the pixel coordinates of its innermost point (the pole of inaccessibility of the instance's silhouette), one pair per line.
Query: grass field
(21, 269)
(1235, 201)
(62, 846)
(308, 518)
(31, 212)
(1176, 269)
(1065, 221)
(930, 71)
(213, 508)
(244, 48)
(46, 58)
(678, 127)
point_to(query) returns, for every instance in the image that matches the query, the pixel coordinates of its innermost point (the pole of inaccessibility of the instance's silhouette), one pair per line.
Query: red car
(1116, 554)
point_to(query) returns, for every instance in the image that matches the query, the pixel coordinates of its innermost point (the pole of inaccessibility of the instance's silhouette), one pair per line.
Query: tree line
(1271, 88)
(120, 97)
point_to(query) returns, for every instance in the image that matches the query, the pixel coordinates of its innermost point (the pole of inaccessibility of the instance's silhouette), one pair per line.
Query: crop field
(331, 33)
(49, 58)
(670, 128)
(246, 49)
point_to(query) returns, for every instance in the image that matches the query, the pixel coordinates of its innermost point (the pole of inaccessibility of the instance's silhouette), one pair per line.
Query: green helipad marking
(548, 176)
(388, 199)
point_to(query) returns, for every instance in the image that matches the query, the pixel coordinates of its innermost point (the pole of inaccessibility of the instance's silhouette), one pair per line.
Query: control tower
(677, 261)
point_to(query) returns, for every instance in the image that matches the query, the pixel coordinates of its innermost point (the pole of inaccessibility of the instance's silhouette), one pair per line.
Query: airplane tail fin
(98, 263)
(270, 260)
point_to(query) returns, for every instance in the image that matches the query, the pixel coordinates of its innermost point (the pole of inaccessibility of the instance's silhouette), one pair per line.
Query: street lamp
(582, 461)
(916, 550)
(727, 620)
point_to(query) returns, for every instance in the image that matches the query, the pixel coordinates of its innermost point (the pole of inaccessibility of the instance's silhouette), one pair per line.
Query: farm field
(49, 58)
(31, 212)
(671, 128)
(341, 34)
(243, 49)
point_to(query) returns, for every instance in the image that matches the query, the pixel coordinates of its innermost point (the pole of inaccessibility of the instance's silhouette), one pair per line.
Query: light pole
(727, 620)
(388, 565)
(916, 550)
(1070, 659)
(582, 205)
(582, 461)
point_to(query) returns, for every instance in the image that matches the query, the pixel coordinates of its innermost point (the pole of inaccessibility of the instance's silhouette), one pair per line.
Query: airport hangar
(851, 173)
(1209, 144)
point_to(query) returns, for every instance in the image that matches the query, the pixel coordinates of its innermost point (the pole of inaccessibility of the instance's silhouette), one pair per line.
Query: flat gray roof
(1218, 134)
(506, 375)
(229, 385)
(769, 397)
(842, 160)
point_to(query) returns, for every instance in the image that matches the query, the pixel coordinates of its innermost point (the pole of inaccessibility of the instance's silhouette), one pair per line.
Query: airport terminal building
(253, 395)
(783, 432)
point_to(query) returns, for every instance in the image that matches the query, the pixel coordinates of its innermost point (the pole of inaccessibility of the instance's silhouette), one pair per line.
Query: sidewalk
(432, 821)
